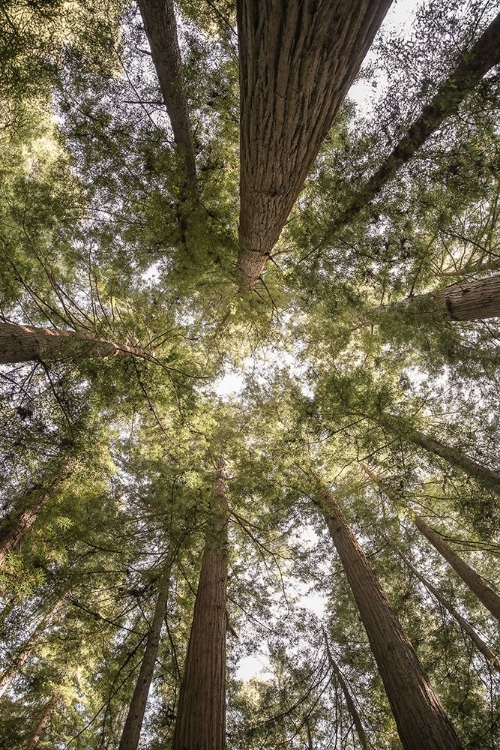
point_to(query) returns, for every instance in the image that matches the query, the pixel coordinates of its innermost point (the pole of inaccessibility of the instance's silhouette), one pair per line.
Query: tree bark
(161, 29)
(466, 627)
(201, 715)
(297, 62)
(351, 706)
(35, 737)
(133, 723)
(484, 593)
(20, 343)
(420, 718)
(472, 67)
(14, 529)
(467, 300)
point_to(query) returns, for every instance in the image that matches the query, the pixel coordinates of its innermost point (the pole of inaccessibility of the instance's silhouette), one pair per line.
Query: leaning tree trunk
(478, 585)
(133, 723)
(14, 529)
(161, 29)
(466, 627)
(473, 66)
(201, 715)
(420, 718)
(297, 62)
(35, 737)
(467, 300)
(20, 343)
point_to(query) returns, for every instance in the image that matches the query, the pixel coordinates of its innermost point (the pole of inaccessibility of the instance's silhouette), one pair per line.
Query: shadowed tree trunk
(351, 706)
(472, 67)
(297, 62)
(420, 718)
(19, 343)
(161, 29)
(466, 627)
(478, 585)
(467, 300)
(14, 529)
(201, 715)
(44, 719)
(133, 723)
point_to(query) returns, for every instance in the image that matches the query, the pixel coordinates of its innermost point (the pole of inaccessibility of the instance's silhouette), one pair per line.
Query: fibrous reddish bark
(20, 343)
(297, 62)
(135, 716)
(35, 737)
(478, 585)
(467, 300)
(420, 718)
(201, 715)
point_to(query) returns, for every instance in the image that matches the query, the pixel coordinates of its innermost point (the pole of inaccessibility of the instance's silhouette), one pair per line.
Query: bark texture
(420, 718)
(201, 715)
(466, 627)
(14, 529)
(467, 300)
(161, 29)
(297, 62)
(44, 719)
(471, 68)
(19, 343)
(135, 716)
(478, 585)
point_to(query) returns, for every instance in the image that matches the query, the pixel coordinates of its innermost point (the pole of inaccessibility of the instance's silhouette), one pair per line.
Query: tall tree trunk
(466, 627)
(297, 62)
(20, 343)
(201, 715)
(467, 300)
(487, 477)
(420, 718)
(14, 529)
(351, 706)
(472, 67)
(478, 585)
(35, 737)
(133, 723)
(161, 29)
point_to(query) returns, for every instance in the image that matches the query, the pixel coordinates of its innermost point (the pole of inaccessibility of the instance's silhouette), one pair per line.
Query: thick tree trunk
(484, 593)
(35, 737)
(133, 723)
(14, 529)
(466, 627)
(351, 706)
(472, 67)
(420, 718)
(297, 62)
(201, 715)
(161, 29)
(19, 343)
(467, 300)
(487, 477)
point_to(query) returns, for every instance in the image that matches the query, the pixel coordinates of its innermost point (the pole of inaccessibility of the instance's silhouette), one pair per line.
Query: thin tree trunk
(201, 715)
(478, 585)
(467, 300)
(472, 67)
(14, 529)
(487, 477)
(20, 343)
(133, 723)
(297, 62)
(420, 718)
(161, 29)
(35, 737)
(466, 627)
(351, 706)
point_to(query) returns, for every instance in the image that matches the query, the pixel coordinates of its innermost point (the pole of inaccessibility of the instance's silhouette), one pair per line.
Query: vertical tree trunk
(297, 62)
(420, 718)
(351, 706)
(35, 737)
(467, 300)
(14, 529)
(466, 627)
(484, 593)
(201, 715)
(133, 723)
